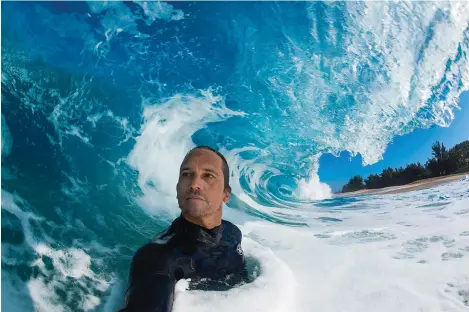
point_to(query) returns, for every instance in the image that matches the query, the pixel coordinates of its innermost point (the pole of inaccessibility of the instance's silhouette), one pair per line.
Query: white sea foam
(313, 189)
(375, 255)
(165, 138)
(406, 252)
(116, 18)
(58, 268)
(395, 254)
(266, 293)
(391, 58)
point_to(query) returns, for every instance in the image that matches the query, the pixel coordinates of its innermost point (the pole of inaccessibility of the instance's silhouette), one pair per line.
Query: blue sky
(412, 147)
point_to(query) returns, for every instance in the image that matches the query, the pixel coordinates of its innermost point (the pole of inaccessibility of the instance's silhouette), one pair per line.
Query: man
(198, 244)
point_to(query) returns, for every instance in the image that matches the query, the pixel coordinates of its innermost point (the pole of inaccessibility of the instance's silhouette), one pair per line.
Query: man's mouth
(194, 198)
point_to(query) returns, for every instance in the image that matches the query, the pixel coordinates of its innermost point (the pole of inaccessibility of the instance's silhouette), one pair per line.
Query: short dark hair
(225, 169)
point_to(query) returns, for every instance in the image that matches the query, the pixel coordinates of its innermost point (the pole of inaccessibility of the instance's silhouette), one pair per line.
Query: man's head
(203, 185)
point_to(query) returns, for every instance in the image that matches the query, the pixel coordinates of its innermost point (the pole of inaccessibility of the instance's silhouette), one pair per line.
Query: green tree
(373, 181)
(354, 184)
(414, 172)
(459, 157)
(440, 164)
(387, 177)
(439, 151)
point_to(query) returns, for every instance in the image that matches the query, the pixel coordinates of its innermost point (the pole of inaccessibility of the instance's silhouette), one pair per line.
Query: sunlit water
(100, 102)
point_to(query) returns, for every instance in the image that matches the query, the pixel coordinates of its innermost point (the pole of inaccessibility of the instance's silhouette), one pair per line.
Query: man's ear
(227, 194)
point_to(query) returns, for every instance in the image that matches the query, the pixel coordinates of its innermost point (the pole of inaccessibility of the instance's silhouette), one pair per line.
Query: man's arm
(151, 287)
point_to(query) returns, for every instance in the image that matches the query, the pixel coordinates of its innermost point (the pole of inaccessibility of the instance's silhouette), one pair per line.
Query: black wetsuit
(184, 250)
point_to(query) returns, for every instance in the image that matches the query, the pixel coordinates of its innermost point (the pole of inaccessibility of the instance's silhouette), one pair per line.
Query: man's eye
(185, 174)
(209, 175)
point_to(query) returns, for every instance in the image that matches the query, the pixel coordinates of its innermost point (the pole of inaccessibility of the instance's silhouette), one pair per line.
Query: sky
(409, 148)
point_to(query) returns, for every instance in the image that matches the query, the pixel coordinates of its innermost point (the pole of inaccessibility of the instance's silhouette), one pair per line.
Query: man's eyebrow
(210, 170)
(206, 169)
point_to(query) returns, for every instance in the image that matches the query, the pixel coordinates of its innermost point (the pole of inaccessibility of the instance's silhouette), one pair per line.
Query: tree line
(442, 162)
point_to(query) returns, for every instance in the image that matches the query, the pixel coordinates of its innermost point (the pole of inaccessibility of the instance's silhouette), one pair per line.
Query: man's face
(200, 189)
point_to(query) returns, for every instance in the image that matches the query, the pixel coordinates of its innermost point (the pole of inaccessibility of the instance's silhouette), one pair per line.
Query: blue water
(101, 100)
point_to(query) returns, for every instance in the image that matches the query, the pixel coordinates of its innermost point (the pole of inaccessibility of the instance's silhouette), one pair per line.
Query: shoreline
(413, 186)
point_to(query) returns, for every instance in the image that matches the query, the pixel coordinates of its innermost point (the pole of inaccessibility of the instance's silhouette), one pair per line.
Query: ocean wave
(101, 101)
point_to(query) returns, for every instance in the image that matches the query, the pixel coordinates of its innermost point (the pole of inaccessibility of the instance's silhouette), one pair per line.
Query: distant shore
(416, 185)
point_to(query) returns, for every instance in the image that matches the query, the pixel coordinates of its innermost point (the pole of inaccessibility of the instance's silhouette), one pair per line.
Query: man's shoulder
(154, 255)
(231, 232)
(157, 245)
(163, 237)
(150, 250)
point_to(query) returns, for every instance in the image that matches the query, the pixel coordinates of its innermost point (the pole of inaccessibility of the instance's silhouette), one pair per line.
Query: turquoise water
(100, 102)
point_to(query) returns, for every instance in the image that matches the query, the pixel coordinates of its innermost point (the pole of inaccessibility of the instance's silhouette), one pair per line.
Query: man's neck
(208, 222)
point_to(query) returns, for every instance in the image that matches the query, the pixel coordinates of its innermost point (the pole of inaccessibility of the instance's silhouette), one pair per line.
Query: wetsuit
(184, 250)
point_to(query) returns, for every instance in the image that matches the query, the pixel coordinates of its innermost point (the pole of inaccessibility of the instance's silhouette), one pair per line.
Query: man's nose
(196, 182)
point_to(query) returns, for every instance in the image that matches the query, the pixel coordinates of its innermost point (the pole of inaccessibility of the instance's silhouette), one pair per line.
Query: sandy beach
(416, 185)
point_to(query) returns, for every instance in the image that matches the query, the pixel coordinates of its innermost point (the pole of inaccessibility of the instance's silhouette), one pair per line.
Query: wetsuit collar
(196, 233)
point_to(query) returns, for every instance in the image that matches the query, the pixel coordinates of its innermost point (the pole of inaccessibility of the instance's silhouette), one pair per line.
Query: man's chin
(195, 210)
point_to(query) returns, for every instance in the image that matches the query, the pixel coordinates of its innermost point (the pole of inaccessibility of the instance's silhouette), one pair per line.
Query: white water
(165, 139)
(313, 188)
(394, 255)
(406, 252)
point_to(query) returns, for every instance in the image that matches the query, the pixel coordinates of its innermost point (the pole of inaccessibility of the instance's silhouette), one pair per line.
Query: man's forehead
(207, 157)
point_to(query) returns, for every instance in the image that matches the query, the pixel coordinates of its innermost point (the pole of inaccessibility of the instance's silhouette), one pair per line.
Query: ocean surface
(101, 100)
